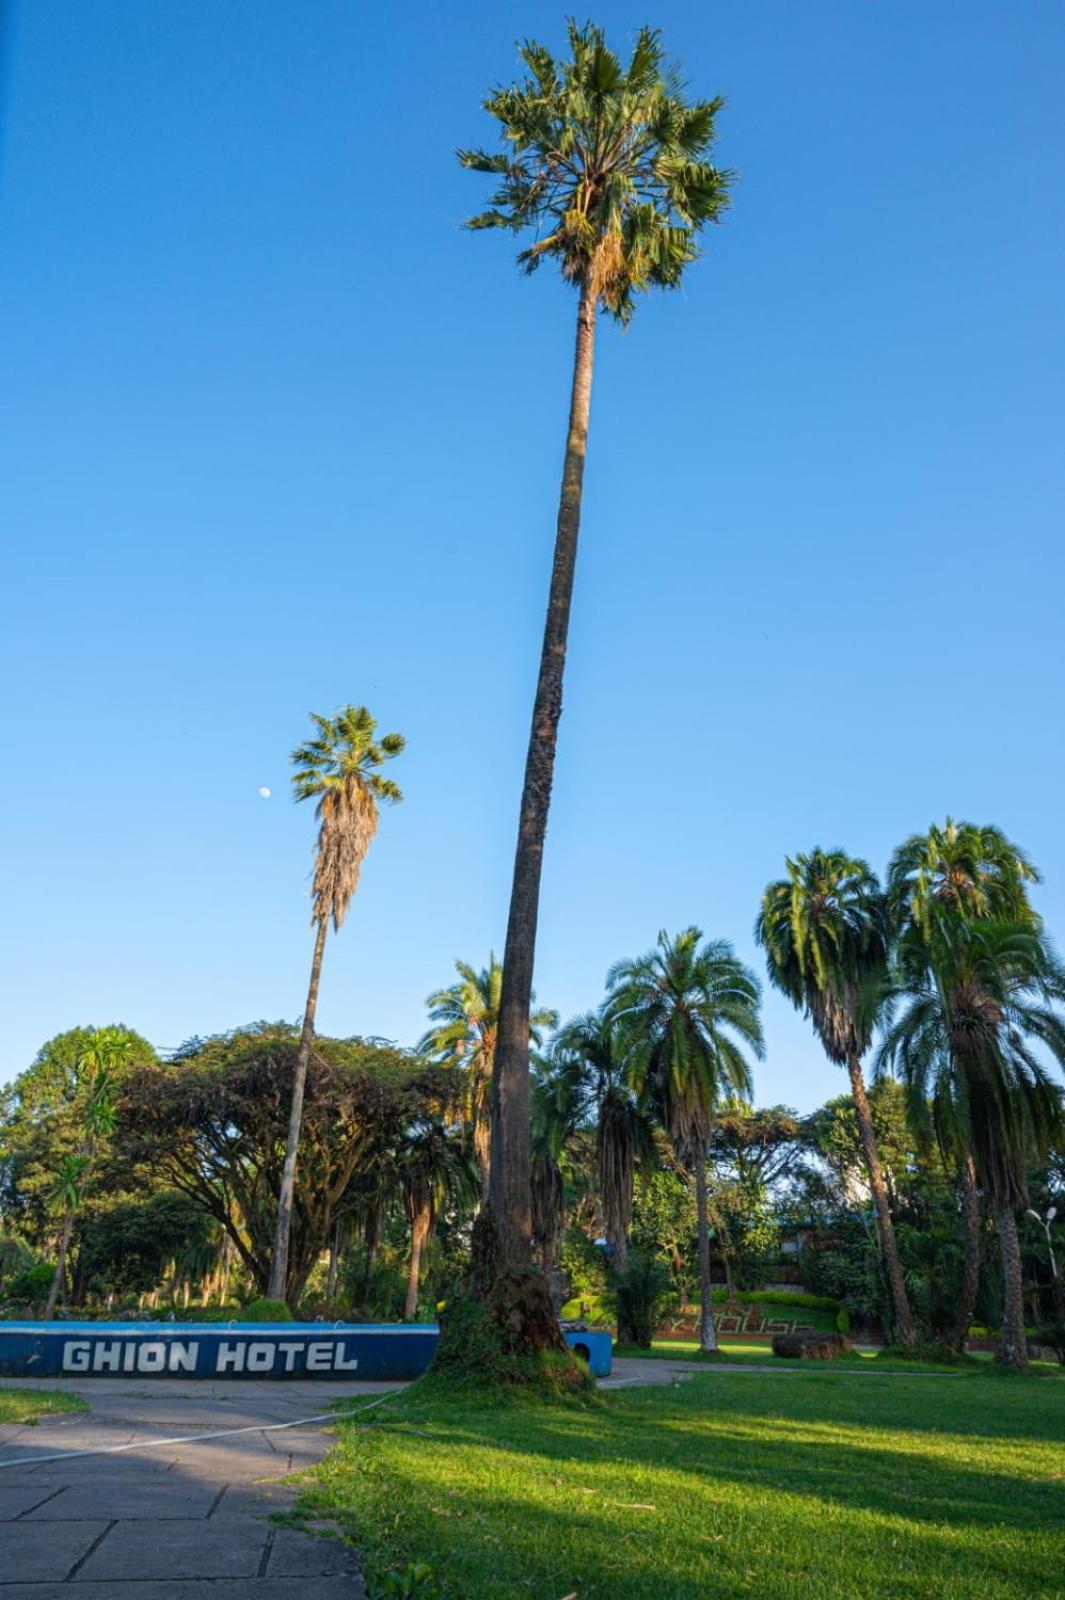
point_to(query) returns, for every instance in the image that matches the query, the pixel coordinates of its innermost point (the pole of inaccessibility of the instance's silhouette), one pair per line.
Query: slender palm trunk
(279, 1260)
(509, 1185)
(372, 1239)
(970, 1273)
(59, 1281)
(904, 1330)
(334, 1264)
(1013, 1344)
(707, 1334)
(419, 1233)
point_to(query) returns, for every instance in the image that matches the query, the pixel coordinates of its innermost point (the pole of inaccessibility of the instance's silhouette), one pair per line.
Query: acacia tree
(340, 770)
(687, 1012)
(975, 871)
(606, 166)
(978, 993)
(825, 932)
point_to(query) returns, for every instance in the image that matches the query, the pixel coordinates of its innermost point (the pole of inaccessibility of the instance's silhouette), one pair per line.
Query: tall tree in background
(825, 932)
(434, 1173)
(687, 1012)
(107, 1051)
(465, 1025)
(606, 166)
(978, 993)
(973, 871)
(340, 770)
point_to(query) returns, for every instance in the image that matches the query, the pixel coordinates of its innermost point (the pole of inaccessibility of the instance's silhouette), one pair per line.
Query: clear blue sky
(277, 434)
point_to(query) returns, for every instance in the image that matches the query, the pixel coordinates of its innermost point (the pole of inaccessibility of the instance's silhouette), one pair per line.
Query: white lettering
(152, 1357)
(342, 1363)
(260, 1358)
(107, 1357)
(183, 1356)
(319, 1357)
(76, 1355)
(129, 1357)
(290, 1352)
(230, 1356)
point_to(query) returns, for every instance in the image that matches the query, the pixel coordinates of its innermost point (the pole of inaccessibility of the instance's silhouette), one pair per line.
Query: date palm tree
(977, 995)
(976, 871)
(465, 1020)
(686, 1012)
(605, 165)
(825, 932)
(339, 769)
(434, 1174)
(106, 1052)
(558, 1107)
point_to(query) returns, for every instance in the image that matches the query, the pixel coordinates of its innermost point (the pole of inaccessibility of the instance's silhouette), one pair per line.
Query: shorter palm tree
(339, 769)
(976, 994)
(557, 1109)
(435, 1175)
(465, 1023)
(825, 932)
(686, 1012)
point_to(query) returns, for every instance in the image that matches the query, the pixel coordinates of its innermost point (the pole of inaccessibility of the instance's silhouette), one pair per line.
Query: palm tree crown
(975, 869)
(687, 1011)
(824, 931)
(339, 769)
(606, 163)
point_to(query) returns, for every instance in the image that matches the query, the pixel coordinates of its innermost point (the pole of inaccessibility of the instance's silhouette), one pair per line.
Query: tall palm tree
(686, 1012)
(622, 1132)
(434, 1173)
(106, 1051)
(465, 1020)
(339, 769)
(606, 166)
(825, 932)
(975, 871)
(558, 1101)
(977, 994)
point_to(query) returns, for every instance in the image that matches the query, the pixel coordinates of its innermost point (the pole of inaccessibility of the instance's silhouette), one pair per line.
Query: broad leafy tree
(825, 932)
(604, 165)
(688, 1013)
(340, 770)
(978, 1013)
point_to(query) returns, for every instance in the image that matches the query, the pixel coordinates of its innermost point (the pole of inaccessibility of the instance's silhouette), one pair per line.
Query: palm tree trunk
(279, 1260)
(419, 1232)
(707, 1335)
(970, 1275)
(334, 1264)
(1013, 1344)
(509, 1184)
(904, 1330)
(59, 1280)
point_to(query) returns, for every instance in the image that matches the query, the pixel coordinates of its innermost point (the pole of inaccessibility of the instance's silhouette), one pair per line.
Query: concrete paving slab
(130, 1499)
(306, 1555)
(189, 1548)
(341, 1588)
(40, 1552)
(20, 1499)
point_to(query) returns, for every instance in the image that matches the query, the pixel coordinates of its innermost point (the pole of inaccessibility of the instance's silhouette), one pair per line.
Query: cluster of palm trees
(949, 964)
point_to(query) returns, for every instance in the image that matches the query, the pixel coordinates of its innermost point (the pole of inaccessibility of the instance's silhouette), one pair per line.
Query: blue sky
(277, 434)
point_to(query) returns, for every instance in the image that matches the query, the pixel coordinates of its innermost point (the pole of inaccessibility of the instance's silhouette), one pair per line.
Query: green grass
(756, 1353)
(27, 1405)
(914, 1488)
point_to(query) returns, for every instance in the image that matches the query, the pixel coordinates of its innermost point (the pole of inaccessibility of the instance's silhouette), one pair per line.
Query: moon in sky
(265, 793)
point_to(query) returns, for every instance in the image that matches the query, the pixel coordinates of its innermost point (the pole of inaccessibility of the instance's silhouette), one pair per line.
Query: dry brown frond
(348, 821)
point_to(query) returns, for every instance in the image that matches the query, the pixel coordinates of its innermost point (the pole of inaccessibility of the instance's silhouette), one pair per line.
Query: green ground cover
(26, 1405)
(760, 1353)
(915, 1487)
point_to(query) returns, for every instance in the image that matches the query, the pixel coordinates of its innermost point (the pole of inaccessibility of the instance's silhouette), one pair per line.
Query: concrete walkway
(170, 1521)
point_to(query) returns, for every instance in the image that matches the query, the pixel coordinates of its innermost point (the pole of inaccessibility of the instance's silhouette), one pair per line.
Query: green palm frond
(606, 165)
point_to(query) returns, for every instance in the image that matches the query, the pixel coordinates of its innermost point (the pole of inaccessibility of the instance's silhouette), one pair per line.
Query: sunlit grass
(721, 1486)
(26, 1405)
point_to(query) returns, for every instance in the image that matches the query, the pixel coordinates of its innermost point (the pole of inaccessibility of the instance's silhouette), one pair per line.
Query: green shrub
(843, 1320)
(266, 1311)
(642, 1291)
(31, 1287)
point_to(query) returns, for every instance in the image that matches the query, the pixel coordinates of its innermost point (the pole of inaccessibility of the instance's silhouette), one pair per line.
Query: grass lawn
(758, 1354)
(26, 1405)
(833, 1483)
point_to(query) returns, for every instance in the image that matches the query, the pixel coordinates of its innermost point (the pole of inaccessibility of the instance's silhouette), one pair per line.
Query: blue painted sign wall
(259, 1350)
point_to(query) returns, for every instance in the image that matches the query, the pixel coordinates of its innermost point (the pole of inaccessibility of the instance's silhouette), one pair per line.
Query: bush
(31, 1287)
(642, 1290)
(266, 1311)
(811, 1346)
(1052, 1334)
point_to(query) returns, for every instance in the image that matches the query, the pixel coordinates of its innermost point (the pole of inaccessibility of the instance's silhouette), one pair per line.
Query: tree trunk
(334, 1264)
(904, 1330)
(707, 1335)
(59, 1281)
(509, 1183)
(970, 1276)
(1012, 1349)
(279, 1260)
(372, 1240)
(419, 1232)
